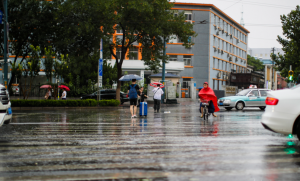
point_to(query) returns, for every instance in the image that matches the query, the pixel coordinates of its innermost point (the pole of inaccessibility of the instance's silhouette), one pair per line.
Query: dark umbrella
(130, 77)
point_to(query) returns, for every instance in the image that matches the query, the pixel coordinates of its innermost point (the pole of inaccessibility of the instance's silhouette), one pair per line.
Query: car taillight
(271, 101)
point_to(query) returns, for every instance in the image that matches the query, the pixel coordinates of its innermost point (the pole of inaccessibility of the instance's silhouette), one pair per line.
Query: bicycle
(205, 104)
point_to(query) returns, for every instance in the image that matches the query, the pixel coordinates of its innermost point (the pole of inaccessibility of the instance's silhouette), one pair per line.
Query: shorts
(133, 101)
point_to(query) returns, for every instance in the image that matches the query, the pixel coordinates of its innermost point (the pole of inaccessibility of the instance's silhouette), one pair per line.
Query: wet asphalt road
(90, 144)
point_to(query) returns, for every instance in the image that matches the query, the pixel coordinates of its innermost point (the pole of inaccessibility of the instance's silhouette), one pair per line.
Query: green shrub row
(63, 103)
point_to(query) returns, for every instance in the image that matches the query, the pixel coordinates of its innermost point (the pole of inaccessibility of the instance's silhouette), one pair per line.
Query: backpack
(132, 92)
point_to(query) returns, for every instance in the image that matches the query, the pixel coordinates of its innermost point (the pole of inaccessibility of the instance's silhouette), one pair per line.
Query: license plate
(221, 104)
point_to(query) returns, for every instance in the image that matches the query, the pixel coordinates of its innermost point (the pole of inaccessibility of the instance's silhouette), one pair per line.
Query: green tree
(256, 63)
(109, 74)
(31, 22)
(49, 63)
(30, 69)
(290, 45)
(148, 22)
(79, 32)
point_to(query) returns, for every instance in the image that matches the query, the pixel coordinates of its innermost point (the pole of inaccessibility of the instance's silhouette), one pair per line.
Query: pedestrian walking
(48, 94)
(64, 95)
(142, 96)
(157, 97)
(133, 95)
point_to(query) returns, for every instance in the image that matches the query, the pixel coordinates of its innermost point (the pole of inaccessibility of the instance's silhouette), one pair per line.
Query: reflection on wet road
(90, 144)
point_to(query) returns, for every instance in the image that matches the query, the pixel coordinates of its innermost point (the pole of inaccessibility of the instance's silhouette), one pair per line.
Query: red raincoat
(209, 94)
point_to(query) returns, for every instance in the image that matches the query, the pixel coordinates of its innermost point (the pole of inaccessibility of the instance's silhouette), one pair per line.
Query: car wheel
(7, 121)
(240, 106)
(262, 108)
(228, 108)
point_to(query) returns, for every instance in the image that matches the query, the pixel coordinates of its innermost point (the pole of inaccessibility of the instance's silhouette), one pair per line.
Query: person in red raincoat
(208, 94)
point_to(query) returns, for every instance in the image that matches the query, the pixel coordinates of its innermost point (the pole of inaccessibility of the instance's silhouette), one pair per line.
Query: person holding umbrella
(64, 94)
(133, 95)
(49, 93)
(157, 96)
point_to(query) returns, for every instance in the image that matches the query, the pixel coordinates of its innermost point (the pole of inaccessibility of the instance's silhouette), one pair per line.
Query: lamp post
(163, 71)
(5, 43)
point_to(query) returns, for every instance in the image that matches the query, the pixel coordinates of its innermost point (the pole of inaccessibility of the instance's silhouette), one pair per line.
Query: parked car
(245, 98)
(5, 106)
(106, 94)
(282, 114)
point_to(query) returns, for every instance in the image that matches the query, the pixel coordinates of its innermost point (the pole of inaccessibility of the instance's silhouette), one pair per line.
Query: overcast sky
(261, 18)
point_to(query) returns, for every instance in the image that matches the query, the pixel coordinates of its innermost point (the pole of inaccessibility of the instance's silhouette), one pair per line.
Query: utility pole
(273, 50)
(163, 72)
(5, 42)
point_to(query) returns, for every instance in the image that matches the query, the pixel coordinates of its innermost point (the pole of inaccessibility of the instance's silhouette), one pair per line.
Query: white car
(5, 106)
(282, 114)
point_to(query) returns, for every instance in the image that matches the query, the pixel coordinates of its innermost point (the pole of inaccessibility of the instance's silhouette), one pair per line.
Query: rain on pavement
(93, 144)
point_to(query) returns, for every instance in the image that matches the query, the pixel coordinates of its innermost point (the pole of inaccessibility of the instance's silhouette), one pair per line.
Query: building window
(222, 44)
(214, 43)
(226, 66)
(172, 57)
(218, 65)
(173, 39)
(119, 29)
(133, 53)
(219, 23)
(119, 53)
(218, 85)
(188, 15)
(187, 60)
(214, 62)
(214, 84)
(218, 43)
(215, 20)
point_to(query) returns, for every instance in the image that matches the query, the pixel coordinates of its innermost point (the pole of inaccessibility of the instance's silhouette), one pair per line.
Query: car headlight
(227, 101)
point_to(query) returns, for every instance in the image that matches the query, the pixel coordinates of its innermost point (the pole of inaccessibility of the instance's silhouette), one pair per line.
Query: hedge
(63, 103)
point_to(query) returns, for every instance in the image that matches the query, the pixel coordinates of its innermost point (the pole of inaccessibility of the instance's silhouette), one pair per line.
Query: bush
(63, 103)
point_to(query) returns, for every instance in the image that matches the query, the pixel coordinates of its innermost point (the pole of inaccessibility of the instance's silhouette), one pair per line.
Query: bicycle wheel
(204, 112)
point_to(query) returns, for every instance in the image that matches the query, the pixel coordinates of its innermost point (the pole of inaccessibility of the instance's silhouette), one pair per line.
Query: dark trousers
(156, 104)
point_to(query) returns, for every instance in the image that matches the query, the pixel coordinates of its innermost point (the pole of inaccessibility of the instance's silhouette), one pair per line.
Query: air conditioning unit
(215, 49)
(228, 55)
(227, 33)
(238, 40)
(223, 30)
(217, 33)
(219, 28)
(222, 51)
(236, 59)
(219, 51)
(219, 75)
(230, 58)
(224, 76)
(216, 27)
(231, 36)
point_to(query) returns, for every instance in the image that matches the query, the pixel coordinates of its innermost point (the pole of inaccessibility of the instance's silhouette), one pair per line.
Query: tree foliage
(290, 44)
(31, 22)
(256, 63)
(148, 23)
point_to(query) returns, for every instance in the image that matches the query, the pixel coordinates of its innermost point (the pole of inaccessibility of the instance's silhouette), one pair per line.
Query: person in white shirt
(157, 97)
(49, 93)
(64, 95)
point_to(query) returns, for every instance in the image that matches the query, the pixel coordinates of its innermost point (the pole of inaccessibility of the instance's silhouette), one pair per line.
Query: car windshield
(243, 92)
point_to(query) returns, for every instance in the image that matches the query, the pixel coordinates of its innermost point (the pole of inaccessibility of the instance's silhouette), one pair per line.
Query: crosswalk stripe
(130, 157)
(148, 165)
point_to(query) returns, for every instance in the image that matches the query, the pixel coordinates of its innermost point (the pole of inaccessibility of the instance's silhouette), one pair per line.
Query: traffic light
(291, 74)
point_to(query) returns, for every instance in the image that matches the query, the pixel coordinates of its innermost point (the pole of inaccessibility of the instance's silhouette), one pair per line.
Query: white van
(5, 106)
